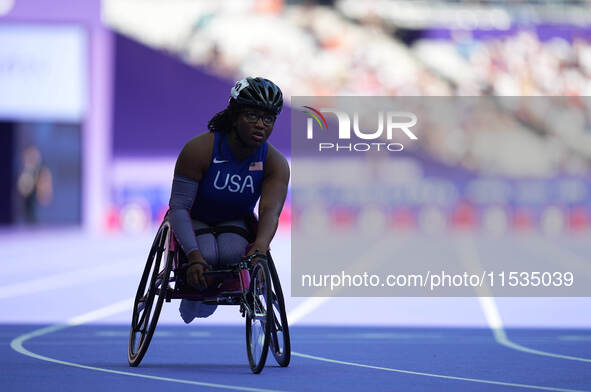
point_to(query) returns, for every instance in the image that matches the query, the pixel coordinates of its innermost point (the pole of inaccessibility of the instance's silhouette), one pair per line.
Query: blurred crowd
(312, 50)
(519, 64)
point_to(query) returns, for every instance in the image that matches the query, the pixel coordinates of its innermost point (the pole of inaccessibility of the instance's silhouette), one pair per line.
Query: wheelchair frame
(255, 288)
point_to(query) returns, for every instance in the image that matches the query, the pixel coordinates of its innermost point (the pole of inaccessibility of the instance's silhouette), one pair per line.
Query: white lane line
(305, 308)
(502, 339)
(384, 336)
(17, 345)
(470, 259)
(469, 255)
(160, 334)
(476, 380)
(103, 342)
(105, 311)
(200, 334)
(69, 279)
(491, 313)
(368, 259)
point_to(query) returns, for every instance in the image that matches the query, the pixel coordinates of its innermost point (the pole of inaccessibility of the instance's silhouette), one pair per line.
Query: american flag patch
(255, 166)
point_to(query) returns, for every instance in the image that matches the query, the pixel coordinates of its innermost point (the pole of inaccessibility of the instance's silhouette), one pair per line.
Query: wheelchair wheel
(259, 318)
(154, 282)
(280, 342)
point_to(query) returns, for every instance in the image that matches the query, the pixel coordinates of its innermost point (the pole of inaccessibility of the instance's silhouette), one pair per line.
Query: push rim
(280, 341)
(259, 318)
(146, 308)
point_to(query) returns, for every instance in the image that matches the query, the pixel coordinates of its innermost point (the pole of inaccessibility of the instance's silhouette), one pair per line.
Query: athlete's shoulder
(274, 154)
(195, 156)
(200, 143)
(276, 163)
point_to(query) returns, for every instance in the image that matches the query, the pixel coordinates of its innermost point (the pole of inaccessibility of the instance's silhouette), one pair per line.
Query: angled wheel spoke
(278, 327)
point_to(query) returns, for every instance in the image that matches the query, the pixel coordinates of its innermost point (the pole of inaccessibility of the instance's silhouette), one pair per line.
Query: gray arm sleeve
(182, 197)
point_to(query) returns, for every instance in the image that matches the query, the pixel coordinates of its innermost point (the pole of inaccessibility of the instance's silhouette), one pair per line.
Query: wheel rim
(146, 306)
(145, 310)
(258, 321)
(280, 344)
(259, 317)
(277, 332)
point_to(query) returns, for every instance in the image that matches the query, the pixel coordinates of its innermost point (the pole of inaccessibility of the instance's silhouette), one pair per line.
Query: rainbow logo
(315, 114)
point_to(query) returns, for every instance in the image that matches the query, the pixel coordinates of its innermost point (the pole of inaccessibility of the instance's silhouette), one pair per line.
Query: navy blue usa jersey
(230, 188)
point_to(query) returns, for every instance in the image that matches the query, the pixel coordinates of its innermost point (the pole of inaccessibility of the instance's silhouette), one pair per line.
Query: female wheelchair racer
(210, 240)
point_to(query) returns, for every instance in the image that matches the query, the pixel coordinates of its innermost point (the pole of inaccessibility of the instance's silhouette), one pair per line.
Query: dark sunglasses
(253, 117)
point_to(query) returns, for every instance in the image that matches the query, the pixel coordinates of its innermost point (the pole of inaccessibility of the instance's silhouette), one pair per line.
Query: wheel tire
(258, 331)
(145, 312)
(280, 341)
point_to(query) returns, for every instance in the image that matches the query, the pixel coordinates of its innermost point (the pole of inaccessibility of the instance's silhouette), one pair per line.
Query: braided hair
(223, 121)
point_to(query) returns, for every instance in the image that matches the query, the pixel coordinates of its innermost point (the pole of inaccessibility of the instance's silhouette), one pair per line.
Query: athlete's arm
(274, 191)
(191, 164)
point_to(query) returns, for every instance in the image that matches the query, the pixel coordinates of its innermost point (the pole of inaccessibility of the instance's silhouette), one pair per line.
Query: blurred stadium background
(98, 97)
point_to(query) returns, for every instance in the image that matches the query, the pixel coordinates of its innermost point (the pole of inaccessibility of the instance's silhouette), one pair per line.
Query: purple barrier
(64, 11)
(161, 102)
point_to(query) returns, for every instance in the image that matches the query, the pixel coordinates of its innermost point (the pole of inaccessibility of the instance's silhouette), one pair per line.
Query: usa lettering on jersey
(234, 183)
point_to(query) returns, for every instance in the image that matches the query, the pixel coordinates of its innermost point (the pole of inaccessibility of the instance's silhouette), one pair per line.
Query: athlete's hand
(195, 277)
(255, 247)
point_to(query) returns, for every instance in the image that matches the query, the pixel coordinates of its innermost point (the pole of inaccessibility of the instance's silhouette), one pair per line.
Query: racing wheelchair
(252, 284)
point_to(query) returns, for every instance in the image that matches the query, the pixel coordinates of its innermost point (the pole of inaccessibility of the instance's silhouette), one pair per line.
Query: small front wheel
(259, 316)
